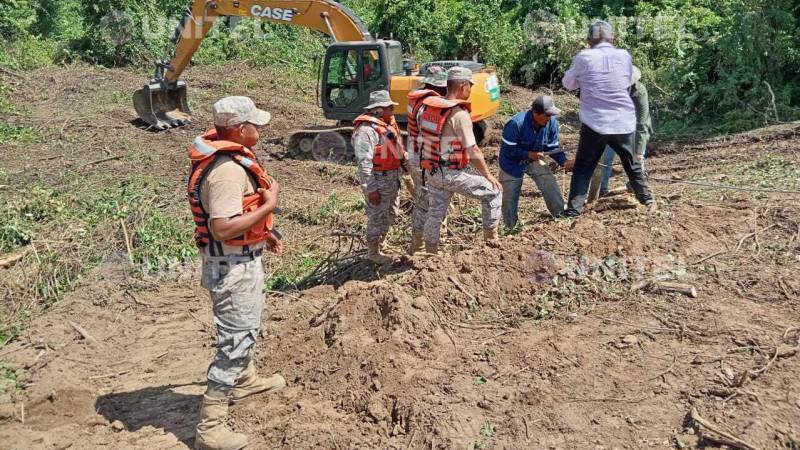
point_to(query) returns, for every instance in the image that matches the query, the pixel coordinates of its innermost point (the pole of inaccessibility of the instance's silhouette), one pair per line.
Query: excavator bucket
(163, 105)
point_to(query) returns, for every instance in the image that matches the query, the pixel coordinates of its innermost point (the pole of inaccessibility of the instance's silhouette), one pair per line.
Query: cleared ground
(552, 341)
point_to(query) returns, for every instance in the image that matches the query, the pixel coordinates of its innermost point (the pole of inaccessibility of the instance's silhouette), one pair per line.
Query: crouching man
(527, 138)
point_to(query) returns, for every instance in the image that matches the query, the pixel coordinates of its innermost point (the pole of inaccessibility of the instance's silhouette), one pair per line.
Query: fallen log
(685, 289)
(666, 286)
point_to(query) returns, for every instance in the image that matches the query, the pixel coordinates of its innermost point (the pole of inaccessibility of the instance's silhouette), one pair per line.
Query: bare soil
(552, 341)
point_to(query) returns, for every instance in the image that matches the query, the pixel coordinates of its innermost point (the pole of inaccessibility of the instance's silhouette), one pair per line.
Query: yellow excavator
(355, 64)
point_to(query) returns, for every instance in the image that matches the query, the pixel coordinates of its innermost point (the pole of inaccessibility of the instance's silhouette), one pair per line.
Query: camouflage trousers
(236, 285)
(380, 217)
(420, 212)
(446, 182)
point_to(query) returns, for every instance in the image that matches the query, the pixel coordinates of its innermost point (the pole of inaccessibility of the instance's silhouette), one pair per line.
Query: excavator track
(329, 144)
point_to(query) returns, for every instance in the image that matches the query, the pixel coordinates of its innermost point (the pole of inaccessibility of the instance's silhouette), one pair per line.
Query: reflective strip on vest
(201, 146)
(247, 162)
(428, 125)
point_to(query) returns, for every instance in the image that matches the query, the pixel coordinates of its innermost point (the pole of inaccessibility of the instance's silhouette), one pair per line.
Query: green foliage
(477, 445)
(5, 101)
(161, 240)
(292, 272)
(92, 220)
(9, 379)
(488, 429)
(768, 171)
(12, 134)
(18, 16)
(335, 208)
(449, 29)
(8, 333)
(732, 63)
(19, 217)
(37, 31)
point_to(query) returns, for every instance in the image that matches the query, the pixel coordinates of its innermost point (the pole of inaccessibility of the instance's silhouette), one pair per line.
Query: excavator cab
(354, 69)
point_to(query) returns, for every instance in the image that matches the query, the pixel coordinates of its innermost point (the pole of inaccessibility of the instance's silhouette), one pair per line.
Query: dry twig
(127, 240)
(109, 375)
(702, 260)
(723, 437)
(82, 331)
(753, 234)
(443, 324)
(669, 369)
(461, 288)
(99, 161)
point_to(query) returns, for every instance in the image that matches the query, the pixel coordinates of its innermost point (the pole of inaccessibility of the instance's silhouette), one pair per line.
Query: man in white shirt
(603, 73)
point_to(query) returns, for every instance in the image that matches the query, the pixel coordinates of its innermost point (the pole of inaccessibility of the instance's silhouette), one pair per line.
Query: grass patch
(120, 97)
(507, 109)
(12, 134)
(162, 240)
(768, 171)
(68, 230)
(488, 429)
(332, 211)
(6, 107)
(293, 271)
(9, 379)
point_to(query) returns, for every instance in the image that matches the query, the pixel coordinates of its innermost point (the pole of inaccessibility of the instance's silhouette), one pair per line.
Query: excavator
(355, 65)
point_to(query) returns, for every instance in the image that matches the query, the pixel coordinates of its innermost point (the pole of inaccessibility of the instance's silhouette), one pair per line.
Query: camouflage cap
(459, 73)
(436, 76)
(380, 99)
(232, 111)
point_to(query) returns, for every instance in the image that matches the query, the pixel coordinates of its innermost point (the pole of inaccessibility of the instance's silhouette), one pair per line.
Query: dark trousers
(590, 148)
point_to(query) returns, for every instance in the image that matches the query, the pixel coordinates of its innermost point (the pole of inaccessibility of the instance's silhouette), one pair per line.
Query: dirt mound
(560, 339)
(540, 344)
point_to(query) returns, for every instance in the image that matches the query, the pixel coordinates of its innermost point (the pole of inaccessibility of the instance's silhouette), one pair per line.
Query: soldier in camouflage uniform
(232, 200)
(434, 84)
(449, 149)
(381, 157)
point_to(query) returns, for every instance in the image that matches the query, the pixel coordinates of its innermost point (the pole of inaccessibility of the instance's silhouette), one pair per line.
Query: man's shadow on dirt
(159, 407)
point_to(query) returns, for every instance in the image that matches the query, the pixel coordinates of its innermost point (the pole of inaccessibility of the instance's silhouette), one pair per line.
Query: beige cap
(231, 111)
(459, 73)
(380, 99)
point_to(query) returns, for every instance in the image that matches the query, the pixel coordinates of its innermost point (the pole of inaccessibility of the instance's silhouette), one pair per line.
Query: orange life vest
(203, 152)
(389, 154)
(432, 119)
(415, 99)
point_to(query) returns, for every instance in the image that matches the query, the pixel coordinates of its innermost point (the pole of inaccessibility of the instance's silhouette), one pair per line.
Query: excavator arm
(162, 103)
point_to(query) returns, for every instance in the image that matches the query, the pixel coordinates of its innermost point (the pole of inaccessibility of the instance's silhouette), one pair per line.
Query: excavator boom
(162, 103)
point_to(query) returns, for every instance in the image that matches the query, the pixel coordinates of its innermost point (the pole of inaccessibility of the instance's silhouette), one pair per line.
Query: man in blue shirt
(527, 138)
